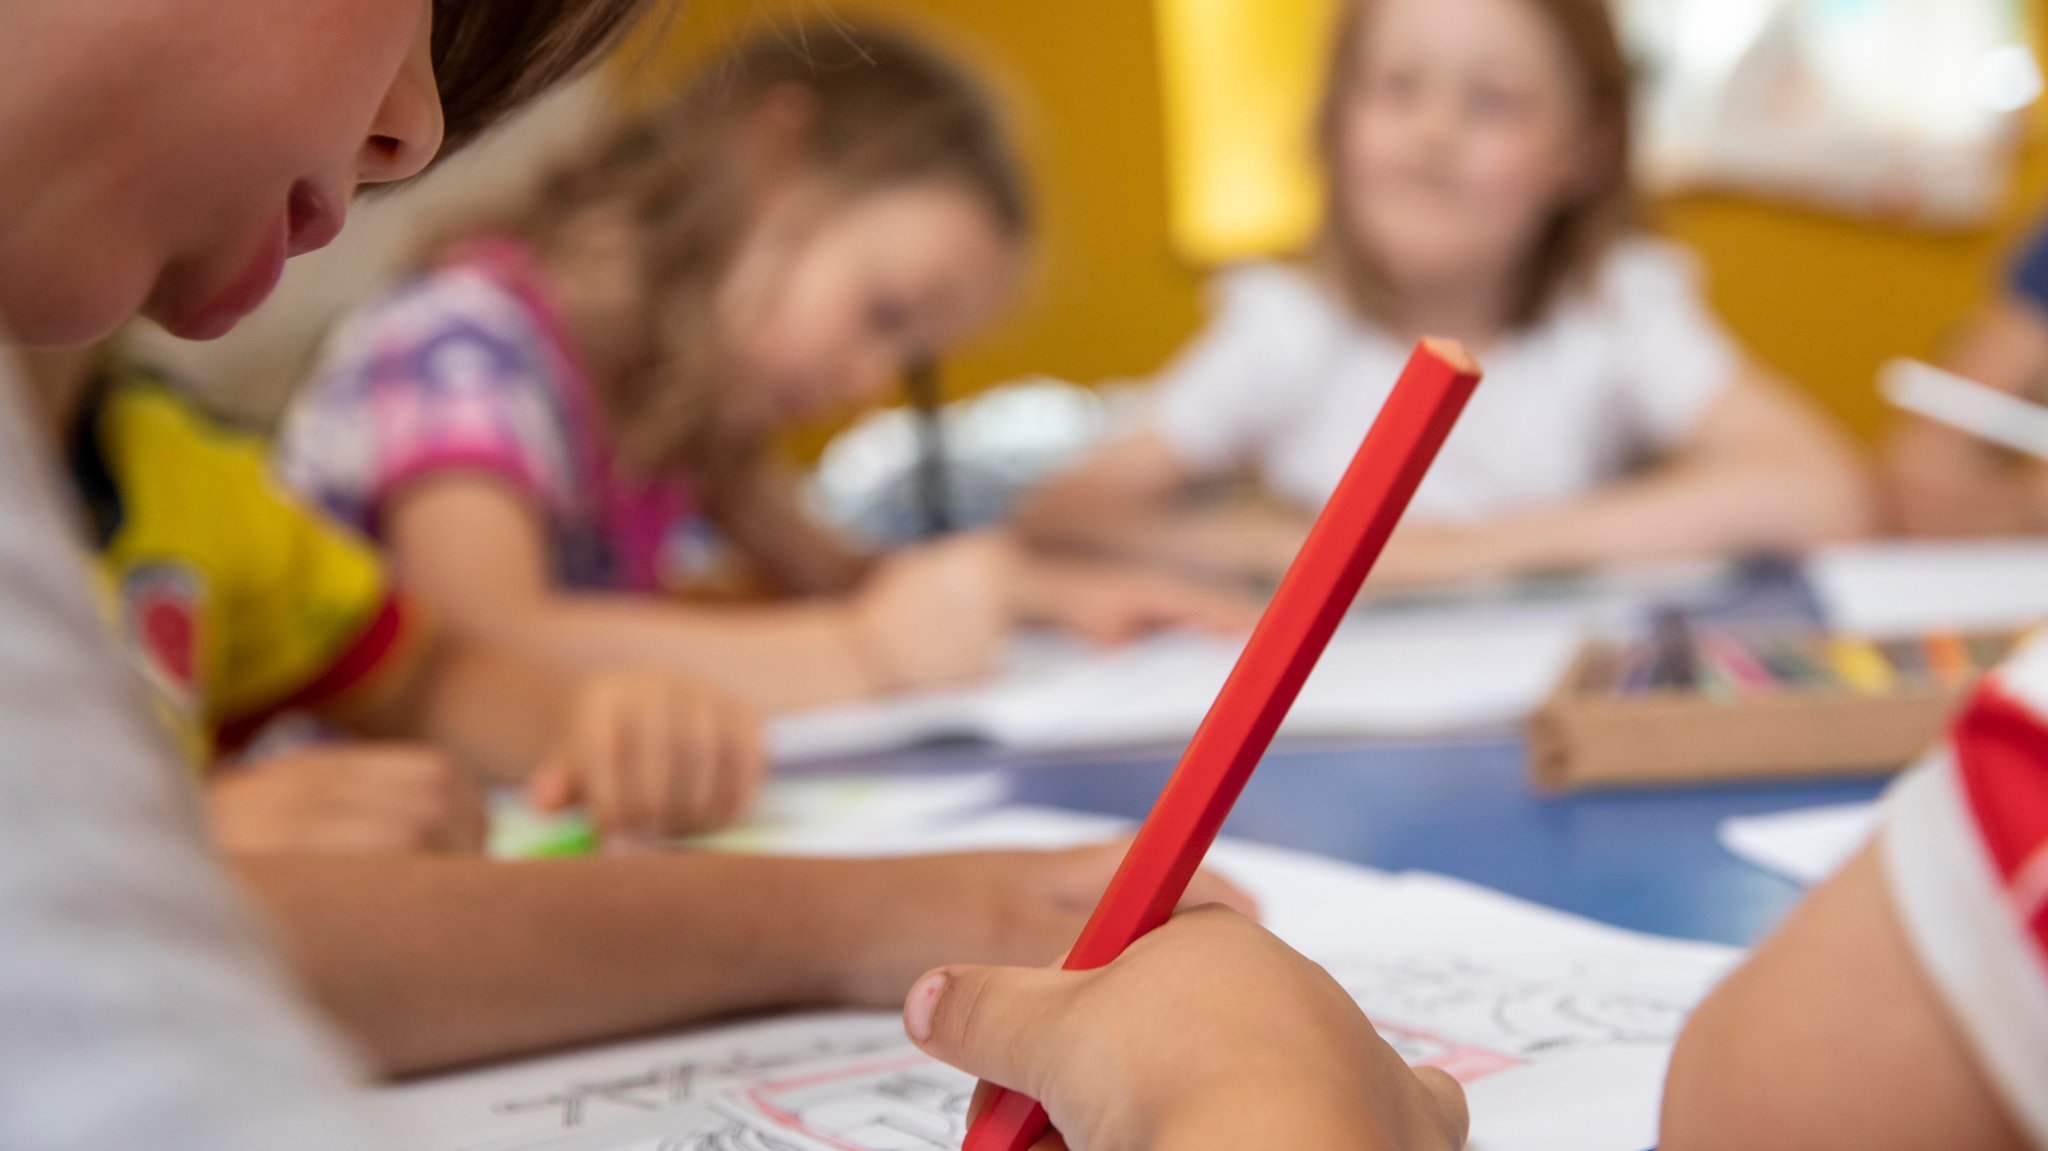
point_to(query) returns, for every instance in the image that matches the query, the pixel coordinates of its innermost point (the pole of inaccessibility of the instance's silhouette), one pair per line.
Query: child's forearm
(495, 708)
(1244, 538)
(430, 962)
(775, 657)
(498, 711)
(1130, 500)
(1942, 482)
(1720, 507)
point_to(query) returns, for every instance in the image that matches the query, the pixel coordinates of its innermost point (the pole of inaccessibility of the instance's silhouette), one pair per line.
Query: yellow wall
(1826, 299)
(1822, 298)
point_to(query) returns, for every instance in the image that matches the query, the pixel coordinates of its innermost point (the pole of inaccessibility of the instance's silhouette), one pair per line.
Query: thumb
(1447, 1098)
(997, 1023)
(552, 787)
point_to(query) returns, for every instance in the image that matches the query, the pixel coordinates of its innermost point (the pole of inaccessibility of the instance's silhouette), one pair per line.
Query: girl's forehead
(1512, 37)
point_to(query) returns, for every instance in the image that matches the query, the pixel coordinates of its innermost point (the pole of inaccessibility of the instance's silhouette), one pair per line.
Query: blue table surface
(1462, 806)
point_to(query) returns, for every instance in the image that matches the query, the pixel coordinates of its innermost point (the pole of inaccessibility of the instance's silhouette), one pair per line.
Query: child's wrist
(865, 655)
(850, 922)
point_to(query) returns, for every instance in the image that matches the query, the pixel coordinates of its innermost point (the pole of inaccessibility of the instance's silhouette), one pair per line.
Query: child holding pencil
(1904, 1005)
(165, 157)
(1940, 481)
(1475, 155)
(240, 605)
(529, 423)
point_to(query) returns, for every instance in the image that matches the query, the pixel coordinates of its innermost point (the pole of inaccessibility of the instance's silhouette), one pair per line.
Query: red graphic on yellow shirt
(162, 610)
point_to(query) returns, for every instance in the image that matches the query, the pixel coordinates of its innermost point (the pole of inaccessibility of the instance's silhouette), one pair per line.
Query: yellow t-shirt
(235, 600)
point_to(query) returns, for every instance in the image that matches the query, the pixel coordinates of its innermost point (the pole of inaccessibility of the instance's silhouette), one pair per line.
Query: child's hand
(935, 615)
(355, 798)
(1111, 602)
(654, 756)
(1208, 1032)
(978, 907)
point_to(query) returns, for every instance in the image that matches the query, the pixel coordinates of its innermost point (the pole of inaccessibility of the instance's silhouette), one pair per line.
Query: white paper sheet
(794, 814)
(1905, 588)
(1400, 673)
(1806, 845)
(1560, 1028)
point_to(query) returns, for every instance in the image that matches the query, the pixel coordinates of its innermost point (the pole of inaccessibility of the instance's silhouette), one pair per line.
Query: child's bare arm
(1764, 472)
(1941, 481)
(930, 616)
(1831, 1037)
(430, 962)
(497, 712)
(478, 555)
(650, 753)
(1127, 500)
(760, 512)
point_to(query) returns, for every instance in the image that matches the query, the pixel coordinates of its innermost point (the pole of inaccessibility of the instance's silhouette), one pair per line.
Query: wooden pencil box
(1586, 735)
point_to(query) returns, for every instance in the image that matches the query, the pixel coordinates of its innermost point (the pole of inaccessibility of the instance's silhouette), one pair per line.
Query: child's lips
(313, 220)
(250, 287)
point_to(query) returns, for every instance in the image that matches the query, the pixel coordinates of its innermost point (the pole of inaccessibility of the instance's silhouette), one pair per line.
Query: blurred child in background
(238, 605)
(1476, 160)
(525, 423)
(1943, 482)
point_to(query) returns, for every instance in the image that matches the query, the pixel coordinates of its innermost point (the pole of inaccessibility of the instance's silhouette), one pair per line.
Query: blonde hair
(1580, 232)
(883, 111)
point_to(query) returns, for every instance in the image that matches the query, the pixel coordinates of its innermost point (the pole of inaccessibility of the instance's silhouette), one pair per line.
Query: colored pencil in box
(1949, 658)
(1794, 665)
(1736, 664)
(1858, 663)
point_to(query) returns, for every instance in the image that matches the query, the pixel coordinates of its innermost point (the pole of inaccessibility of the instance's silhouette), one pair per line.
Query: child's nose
(407, 130)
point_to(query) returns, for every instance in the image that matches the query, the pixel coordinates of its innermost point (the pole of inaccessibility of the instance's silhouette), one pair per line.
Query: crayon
(1858, 663)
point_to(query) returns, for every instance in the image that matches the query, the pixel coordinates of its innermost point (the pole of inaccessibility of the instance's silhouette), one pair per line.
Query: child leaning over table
(238, 603)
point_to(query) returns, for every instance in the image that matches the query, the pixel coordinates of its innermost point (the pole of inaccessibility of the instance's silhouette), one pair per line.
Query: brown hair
(491, 56)
(883, 111)
(1578, 234)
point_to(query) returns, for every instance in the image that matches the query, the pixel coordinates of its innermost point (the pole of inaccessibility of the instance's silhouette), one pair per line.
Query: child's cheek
(1516, 172)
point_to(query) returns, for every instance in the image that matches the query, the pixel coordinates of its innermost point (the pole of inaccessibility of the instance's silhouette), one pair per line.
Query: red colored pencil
(1318, 589)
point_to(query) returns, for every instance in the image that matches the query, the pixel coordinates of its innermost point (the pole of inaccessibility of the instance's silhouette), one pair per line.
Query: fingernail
(922, 1005)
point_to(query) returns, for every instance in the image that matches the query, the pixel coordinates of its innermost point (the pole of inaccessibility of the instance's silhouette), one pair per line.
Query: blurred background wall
(1822, 297)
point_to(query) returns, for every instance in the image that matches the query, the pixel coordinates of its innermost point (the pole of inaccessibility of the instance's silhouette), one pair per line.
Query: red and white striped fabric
(1966, 851)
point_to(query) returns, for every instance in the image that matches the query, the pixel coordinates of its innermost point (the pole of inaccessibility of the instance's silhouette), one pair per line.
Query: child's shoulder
(1283, 299)
(1272, 283)
(1641, 269)
(452, 300)
(446, 299)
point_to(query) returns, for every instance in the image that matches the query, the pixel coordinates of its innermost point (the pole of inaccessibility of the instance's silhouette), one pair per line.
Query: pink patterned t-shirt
(467, 368)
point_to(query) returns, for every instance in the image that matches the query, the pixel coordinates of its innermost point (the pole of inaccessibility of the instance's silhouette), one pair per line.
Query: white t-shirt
(1286, 381)
(138, 1007)
(1966, 856)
